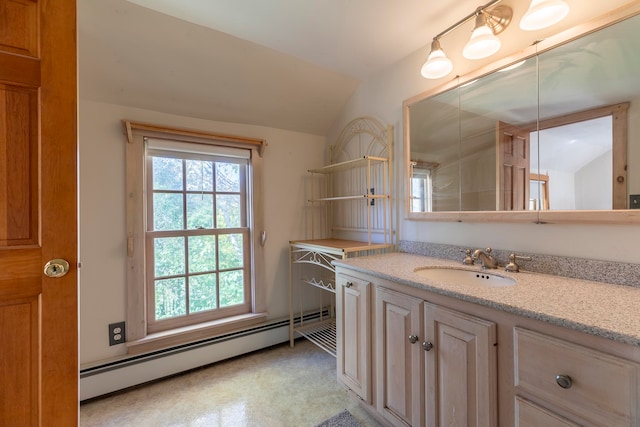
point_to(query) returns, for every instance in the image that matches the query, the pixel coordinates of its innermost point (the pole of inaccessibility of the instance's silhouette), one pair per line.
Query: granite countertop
(606, 310)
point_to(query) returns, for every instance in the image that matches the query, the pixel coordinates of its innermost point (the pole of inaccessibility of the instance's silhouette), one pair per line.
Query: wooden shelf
(339, 246)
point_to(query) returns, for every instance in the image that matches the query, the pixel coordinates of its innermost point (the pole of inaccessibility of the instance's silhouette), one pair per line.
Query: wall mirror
(552, 136)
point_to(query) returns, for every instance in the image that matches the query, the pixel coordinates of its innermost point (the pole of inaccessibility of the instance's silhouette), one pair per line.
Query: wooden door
(38, 220)
(512, 148)
(353, 335)
(399, 363)
(460, 369)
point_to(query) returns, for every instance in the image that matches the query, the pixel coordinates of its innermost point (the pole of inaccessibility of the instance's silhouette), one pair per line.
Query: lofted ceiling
(287, 64)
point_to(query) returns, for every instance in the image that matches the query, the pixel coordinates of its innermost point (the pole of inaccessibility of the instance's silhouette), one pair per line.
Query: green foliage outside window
(205, 271)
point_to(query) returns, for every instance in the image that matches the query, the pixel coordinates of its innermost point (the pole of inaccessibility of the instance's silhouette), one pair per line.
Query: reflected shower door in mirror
(557, 131)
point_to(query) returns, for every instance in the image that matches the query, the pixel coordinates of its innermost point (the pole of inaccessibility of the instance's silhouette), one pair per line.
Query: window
(421, 188)
(191, 219)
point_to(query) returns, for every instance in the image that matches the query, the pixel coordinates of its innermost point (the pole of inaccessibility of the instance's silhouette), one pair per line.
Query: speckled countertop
(606, 310)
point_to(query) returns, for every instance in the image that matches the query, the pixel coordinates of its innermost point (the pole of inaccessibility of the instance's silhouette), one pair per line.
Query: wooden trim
(135, 208)
(195, 135)
(619, 142)
(620, 150)
(577, 117)
(623, 216)
(188, 334)
(138, 324)
(545, 195)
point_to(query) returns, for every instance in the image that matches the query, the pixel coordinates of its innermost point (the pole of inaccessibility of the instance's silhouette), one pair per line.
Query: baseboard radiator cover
(138, 369)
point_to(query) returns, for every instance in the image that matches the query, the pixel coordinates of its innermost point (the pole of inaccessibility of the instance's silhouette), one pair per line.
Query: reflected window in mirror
(539, 190)
(436, 142)
(421, 186)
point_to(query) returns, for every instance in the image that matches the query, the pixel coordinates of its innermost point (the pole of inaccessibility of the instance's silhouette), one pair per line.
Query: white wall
(562, 190)
(593, 188)
(382, 95)
(102, 211)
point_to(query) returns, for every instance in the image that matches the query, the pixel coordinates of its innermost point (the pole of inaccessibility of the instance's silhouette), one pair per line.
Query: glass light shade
(543, 14)
(437, 65)
(482, 43)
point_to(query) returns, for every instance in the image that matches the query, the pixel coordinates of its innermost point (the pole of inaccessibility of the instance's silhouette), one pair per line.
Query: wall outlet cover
(116, 333)
(634, 201)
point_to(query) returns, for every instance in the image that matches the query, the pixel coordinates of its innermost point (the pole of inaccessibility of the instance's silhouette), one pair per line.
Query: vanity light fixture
(543, 13)
(437, 65)
(483, 41)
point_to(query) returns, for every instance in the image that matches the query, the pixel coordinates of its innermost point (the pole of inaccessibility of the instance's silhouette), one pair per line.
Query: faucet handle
(513, 266)
(468, 260)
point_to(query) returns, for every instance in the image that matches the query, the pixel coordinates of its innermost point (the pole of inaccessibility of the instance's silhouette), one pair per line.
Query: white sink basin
(465, 277)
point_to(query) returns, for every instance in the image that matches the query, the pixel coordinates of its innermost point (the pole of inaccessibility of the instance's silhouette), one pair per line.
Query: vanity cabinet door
(460, 369)
(399, 360)
(353, 335)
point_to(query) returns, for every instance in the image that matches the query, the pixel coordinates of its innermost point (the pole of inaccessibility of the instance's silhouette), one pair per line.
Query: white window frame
(139, 337)
(421, 188)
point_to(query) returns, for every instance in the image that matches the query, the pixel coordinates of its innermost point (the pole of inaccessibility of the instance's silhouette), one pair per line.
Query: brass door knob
(56, 268)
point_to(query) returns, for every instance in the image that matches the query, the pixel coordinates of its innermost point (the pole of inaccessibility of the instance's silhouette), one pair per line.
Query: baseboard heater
(138, 369)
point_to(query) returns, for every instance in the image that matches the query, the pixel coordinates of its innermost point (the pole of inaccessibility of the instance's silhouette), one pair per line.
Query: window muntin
(198, 251)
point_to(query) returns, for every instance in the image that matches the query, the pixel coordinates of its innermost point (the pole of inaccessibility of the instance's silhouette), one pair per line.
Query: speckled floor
(275, 387)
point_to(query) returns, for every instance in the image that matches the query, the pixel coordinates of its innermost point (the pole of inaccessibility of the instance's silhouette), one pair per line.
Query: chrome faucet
(485, 257)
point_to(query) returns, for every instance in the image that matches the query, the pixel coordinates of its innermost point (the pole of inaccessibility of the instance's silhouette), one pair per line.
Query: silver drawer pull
(349, 284)
(564, 381)
(413, 339)
(427, 345)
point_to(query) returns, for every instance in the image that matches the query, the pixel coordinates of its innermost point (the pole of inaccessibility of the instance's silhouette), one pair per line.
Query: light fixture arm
(475, 13)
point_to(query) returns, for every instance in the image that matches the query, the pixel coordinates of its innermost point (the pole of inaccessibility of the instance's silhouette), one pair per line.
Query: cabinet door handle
(349, 284)
(564, 381)
(413, 339)
(427, 345)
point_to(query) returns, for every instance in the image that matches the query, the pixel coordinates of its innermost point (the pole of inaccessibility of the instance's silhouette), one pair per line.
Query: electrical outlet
(372, 192)
(634, 201)
(116, 333)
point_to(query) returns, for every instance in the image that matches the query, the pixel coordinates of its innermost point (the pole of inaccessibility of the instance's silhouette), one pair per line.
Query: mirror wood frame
(623, 216)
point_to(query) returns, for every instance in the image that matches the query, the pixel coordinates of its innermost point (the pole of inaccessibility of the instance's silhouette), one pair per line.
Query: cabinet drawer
(602, 388)
(529, 414)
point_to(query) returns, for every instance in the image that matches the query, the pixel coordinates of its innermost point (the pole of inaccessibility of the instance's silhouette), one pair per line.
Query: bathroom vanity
(543, 351)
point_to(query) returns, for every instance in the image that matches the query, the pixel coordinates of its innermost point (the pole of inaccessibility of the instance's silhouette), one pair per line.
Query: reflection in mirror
(559, 131)
(594, 71)
(539, 188)
(436, 151)
(494, 150)
(577, 159)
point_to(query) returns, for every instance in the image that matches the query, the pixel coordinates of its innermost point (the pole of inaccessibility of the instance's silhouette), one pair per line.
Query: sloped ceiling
(290, 64)
(319, 52)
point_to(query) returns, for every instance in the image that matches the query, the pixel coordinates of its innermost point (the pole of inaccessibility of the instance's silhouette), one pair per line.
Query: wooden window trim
(136, 309)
